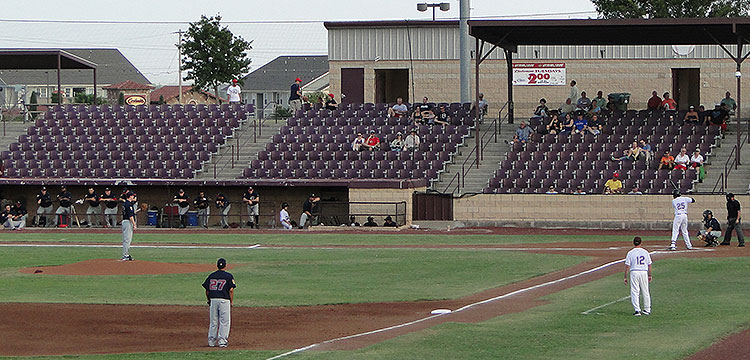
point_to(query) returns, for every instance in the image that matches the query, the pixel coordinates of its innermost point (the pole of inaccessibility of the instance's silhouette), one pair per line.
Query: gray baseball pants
(203, 217)
(110, 217)
(225, 215)
(220, 320)
(127, 237)
(96, 211)
(46, 212)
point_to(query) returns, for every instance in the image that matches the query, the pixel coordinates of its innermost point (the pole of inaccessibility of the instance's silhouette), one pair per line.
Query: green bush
(121, 99)
(281, 112)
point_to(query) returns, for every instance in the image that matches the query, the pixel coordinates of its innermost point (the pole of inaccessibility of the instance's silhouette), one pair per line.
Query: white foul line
(256, 246)
(605, 305)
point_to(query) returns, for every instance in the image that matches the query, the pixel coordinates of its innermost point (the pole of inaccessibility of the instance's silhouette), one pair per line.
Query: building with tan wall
(380, 60)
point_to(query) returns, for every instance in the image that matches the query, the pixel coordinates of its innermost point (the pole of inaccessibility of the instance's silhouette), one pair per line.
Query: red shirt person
(668, 103)
(654, 102)
(372, 142)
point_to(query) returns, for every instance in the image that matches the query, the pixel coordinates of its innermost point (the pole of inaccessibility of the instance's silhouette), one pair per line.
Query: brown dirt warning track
(62, 329)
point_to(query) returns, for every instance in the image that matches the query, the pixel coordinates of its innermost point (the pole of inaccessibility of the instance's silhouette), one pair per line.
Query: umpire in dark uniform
(734, 215)
(220, 294)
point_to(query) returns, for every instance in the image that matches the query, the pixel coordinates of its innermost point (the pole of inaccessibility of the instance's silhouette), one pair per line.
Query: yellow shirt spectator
(613, 186)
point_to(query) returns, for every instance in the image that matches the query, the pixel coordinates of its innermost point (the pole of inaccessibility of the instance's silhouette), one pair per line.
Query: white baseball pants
(639, 285)
(680, 225)
(220, 321)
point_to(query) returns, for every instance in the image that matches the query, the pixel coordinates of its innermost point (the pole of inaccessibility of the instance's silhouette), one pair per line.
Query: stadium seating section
(316, 144)
(156, 141)
(569, 161)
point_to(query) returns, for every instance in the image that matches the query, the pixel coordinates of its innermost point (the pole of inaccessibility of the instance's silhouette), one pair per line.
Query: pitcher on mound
(680, 223)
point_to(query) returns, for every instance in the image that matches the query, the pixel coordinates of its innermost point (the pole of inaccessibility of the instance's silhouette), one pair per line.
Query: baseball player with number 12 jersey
(638, 266)
(680, 223)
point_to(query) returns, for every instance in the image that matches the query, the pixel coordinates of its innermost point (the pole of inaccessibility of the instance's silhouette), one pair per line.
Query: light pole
(443, 7)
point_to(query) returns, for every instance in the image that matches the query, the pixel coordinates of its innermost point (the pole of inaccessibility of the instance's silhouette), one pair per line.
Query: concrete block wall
(583, 211)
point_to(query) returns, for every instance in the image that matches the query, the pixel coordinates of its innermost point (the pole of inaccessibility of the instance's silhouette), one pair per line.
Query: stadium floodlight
(422, 7)
(738, 74)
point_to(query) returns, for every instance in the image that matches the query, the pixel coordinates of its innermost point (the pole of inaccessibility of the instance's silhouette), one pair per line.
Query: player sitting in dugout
(712, 229)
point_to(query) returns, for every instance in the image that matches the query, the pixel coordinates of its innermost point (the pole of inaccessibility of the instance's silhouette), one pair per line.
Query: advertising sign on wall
(135, 100)
(539, 74)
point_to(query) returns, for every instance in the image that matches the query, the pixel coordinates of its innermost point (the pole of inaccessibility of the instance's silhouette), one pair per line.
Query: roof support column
(509, 62)
(95, 102)
(738, 75)
(59, 93)
(477, 60)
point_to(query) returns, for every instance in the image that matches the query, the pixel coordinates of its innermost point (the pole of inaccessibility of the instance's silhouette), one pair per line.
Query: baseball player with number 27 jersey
(638, 266)
(680, 223)
(220, 293)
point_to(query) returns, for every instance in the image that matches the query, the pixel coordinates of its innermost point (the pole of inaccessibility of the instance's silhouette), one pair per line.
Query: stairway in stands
(739, 178)
(477, 178)
(13, 129)
(249, 146)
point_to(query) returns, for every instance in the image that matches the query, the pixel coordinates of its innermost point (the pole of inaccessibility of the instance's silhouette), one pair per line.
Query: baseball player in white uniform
(284, 217)
(638, 268)
(680, 223)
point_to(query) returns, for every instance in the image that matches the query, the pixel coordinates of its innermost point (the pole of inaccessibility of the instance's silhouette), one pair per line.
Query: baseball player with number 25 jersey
(638, 266)
(680, 223)
(220, 293)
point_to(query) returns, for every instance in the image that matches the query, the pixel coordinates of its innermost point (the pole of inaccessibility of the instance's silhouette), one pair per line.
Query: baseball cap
(331, 95)
(234, 81)
(44, 188)
(312, 195)
(284, 205)
(107, 189)
(617, 175)
(221, 263)
(298, 79)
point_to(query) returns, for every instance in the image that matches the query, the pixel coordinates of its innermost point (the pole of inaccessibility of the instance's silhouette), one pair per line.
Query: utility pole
(179, 65)
(464, 52)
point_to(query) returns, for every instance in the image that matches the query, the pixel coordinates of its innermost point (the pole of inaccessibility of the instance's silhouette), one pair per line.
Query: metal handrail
(727, 167)
(720, 180)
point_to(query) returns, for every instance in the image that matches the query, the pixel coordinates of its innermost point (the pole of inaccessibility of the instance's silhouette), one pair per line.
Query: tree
(620, 9)
(33, 100)
(212, 55)
(121, 99)
(161, 100)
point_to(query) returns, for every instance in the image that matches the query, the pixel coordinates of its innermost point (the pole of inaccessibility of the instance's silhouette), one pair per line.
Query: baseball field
(514, 294)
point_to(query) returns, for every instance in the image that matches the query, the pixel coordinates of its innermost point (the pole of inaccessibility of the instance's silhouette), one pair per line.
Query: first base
(440, 311)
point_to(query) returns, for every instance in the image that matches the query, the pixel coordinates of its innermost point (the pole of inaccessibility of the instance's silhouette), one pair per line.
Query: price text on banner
(535, 74)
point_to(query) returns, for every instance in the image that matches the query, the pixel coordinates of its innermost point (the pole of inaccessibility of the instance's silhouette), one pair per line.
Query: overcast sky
(151, 46)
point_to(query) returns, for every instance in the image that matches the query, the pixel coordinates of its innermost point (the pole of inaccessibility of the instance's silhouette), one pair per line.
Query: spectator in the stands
(574, 93)
(331, 103)
(692, 116)
(579, 191)
(567, 125)
(668, 103)
(719, 117)
(358, 143)
(613, 185)
(483, 107)
(388, 222)
(646, 150)
(682, 160)
(595, 108)
(633, 153)
(596, 124)
(635, 191)
(523, 133)
(373, 142)
(568, 107)
(728, 103)
(666, 162)
(412, 141)
(583, 103)
(703, 115)
(654, 103)
(426, 112)
(696, 161)
(580, 123)
(370, 222)
(398, 109)
(551, 190)
(542, 109)
(600, 100)
(554, 127)
(443, 117)
(398, 143)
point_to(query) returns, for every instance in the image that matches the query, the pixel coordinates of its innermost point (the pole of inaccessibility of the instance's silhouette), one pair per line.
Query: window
(41, 92)
(68, 91)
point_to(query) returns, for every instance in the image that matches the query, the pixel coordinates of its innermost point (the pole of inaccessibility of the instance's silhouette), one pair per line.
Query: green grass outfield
(695, 301)
(281, 238)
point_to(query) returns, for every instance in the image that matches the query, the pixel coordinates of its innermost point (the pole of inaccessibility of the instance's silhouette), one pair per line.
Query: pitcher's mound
(117, 267)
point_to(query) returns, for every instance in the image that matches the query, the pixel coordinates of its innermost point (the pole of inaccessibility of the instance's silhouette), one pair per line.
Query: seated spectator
(666, 162)
(728, 103)
(523, 134)
(635, 191)
(551, 190)
(583, 103)
(668, 103)
(595, 108)
(373, 142)
(568, 125)
(568, 107)
(398, 143)
(358, 143)
(388, 222)
(483, 107)
(399, 109)
(580, 123)
(654, 102)
(613, 185)
(633, 153)
(370, 222)
(719, 117)
(692, 116)
(646, 150)
(579, 191)
(353, 221)
(542, 109)
(600, 100)
(696, 161)
(443, 117)
(331, 103)
(412, 141)
(703, 115)
(596, 125)
(682, 160)
(554, 127)
(425, 111)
